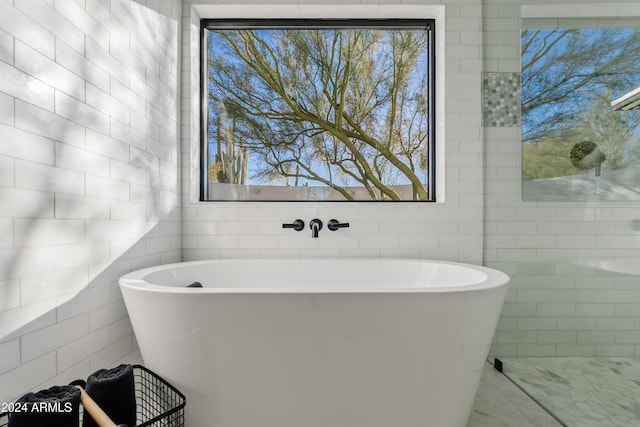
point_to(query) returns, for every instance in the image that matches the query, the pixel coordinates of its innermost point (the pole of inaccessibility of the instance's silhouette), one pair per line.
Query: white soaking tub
(318, 342)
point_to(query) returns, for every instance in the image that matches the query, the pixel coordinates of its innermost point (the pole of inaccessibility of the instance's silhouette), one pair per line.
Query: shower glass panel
(571, 325)
(580, 142)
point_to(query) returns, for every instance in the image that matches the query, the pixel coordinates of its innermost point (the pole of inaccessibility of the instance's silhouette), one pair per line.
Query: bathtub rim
(136, 279)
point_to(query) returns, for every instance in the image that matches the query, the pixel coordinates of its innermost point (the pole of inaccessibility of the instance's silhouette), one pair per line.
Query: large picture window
(318, 110)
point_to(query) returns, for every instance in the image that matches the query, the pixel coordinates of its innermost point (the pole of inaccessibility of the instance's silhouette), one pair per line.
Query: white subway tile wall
(561, 302)
(89, 178)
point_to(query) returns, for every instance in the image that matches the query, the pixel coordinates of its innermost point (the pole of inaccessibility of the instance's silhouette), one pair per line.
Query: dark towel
(195, 285)
(58, 406)
(114, 391)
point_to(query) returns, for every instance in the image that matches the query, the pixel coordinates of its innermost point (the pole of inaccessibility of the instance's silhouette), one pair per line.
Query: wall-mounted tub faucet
(334, 224)
(297, 225)
(316, 226)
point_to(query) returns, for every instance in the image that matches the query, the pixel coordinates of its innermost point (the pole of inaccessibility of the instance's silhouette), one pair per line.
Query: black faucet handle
(297, 225)
(334, 224)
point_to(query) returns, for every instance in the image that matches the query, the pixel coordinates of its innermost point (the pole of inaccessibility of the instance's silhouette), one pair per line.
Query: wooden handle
(96, 412)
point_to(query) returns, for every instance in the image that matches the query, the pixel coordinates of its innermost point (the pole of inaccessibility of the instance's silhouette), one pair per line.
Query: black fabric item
(58, 406)
(114, 391)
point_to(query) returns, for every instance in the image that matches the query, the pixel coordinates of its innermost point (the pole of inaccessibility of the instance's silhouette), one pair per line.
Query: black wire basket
(158, 403)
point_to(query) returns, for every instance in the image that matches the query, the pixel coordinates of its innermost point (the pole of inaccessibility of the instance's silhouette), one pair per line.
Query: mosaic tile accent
(500, 99)
(581, 391)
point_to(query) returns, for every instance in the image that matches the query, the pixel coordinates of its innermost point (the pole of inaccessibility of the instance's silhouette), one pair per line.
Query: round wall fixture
(586, 155)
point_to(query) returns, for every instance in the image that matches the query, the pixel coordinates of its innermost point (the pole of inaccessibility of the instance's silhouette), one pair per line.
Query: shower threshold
(581, 391)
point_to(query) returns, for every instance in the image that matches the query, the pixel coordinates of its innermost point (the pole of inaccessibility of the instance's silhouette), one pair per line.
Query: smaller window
(318, 110)
(577, 143)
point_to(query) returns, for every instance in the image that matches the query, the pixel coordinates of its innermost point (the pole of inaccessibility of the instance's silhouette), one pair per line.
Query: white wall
(561, 301)
(450, 229)
(88, 178)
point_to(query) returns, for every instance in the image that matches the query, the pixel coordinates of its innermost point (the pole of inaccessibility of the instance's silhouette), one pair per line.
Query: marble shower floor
(581, 391)
(499, 403)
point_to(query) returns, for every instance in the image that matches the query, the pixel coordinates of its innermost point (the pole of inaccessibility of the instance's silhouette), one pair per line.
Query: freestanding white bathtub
(318, 342)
